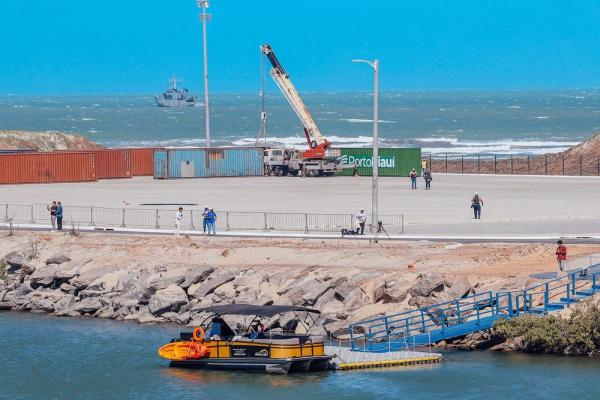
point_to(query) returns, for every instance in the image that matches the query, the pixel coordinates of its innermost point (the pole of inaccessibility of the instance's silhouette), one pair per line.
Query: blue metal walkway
(471, 314)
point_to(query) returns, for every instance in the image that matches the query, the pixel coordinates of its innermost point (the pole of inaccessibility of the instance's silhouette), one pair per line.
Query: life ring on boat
(198, 334)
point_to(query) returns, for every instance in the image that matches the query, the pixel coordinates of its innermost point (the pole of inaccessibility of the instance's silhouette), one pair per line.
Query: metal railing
(548, 164)
(160, 218)
(476, 312)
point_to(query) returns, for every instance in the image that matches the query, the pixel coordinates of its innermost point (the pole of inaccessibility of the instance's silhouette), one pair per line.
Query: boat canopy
(261, 311)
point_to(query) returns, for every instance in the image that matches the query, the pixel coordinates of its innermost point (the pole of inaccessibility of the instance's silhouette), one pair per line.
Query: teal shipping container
(208, 162)
(392, 161)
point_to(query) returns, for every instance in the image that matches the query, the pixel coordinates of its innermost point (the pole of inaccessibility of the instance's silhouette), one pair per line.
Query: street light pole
(204, 17)
(375, 179)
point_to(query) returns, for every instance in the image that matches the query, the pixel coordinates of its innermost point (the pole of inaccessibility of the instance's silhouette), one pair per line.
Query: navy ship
(174, 97)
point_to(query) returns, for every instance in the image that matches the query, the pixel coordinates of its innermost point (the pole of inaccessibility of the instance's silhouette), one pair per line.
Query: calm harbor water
(43, 357)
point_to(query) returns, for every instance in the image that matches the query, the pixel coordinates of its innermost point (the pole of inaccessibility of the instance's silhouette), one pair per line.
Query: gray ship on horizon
(174, 97)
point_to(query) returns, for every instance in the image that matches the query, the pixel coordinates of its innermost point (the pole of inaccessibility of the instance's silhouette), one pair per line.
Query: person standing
(205, 218)
(427, 177)
(59, 215)
(212, 221)
(355, 168)
(476, 204)
(52, 208)
(361, 220)
(561, 255)
(413, 179)
(178, 218)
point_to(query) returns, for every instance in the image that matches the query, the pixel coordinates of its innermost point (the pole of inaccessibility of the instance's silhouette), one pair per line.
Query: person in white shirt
(361, 219)
(178, 217)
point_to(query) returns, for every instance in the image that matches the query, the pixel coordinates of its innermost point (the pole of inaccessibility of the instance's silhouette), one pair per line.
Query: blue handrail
(466, 315)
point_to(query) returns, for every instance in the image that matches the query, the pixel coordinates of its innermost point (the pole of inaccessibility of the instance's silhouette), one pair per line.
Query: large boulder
(58, 259)
(209, 286)
(427, 284)
(159, 282)
(43, 277)
(225, 293)
(394, 294)
(88, 305)
(458, 287)
(14, 260)
(355, 299)
(196, 274)
(171, 298)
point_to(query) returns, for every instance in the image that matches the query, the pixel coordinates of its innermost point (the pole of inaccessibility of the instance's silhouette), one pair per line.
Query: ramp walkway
(477, 312)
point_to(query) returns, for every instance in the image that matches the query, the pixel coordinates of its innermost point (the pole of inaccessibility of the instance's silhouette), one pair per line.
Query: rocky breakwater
(178, 293)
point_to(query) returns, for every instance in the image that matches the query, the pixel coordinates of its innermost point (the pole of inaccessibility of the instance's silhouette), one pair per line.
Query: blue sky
(133, 46)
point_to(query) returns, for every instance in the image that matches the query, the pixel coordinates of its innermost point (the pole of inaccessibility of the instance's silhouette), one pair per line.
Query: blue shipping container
(208, 162)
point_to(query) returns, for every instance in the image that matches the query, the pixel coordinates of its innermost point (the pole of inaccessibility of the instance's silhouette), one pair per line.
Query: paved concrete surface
(512, 204)
(461, 238)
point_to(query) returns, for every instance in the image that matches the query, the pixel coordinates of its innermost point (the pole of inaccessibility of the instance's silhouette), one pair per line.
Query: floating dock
(346, 359)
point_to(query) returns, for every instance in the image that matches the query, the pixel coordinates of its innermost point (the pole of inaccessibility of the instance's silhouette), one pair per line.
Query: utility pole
(375, 180)
(204, 18)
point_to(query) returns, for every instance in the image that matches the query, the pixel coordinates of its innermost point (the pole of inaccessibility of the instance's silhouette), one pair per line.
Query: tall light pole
(204, 17)
(375, 180)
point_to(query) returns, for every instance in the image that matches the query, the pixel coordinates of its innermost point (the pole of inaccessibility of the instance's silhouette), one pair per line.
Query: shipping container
(47, 167)
(142, 163)
(392, 161)
(208, 162)
(113, 163)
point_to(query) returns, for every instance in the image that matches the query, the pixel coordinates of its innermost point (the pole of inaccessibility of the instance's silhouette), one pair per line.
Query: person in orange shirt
(561, 255)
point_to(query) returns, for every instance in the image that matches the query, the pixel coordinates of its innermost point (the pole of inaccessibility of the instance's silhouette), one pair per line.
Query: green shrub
(578, 334)
(3, 269)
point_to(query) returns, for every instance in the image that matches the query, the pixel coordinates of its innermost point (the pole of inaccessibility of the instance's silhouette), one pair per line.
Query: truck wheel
(278, 171)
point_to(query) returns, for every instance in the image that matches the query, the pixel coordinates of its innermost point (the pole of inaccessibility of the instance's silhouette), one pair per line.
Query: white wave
(300, 141)
(542, 117)
(364, 121)
(88, 119)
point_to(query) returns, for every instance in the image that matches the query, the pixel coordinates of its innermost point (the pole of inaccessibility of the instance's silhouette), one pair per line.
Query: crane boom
(317, 143)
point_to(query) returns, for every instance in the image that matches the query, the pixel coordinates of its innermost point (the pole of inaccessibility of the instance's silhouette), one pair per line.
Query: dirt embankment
(44, 141)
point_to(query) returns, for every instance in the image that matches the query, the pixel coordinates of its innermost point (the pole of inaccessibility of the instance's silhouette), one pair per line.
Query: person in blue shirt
(59, 215)
(211, 220)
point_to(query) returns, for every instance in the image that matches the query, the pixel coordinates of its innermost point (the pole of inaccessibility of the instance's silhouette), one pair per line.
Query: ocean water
(466, 122)
(44, 357)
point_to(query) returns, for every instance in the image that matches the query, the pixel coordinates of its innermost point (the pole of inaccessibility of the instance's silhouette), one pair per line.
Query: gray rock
(419, 301)
(58, 259)
(209, 286)
(459, 287)
(313, 293)
(43, 277)
(168, 299)
(225, 293)
(426, 285)
(5, 306)
(394, 294)
(14, 260)
(27, 269)
(162, 282)
(88, 305)
(355, 299)
(196, 274)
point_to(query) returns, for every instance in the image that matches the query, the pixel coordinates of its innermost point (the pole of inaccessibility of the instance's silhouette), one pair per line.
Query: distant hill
(44, 141)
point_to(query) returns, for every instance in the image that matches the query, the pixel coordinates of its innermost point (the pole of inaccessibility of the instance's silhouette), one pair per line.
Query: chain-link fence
(161, 218)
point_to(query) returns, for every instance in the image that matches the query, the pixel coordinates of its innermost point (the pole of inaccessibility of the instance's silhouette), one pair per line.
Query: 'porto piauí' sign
(365, 161)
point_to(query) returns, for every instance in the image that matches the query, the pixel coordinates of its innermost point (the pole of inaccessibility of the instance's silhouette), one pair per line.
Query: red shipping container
(143, 161)
(113, 163)
(47, 167)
